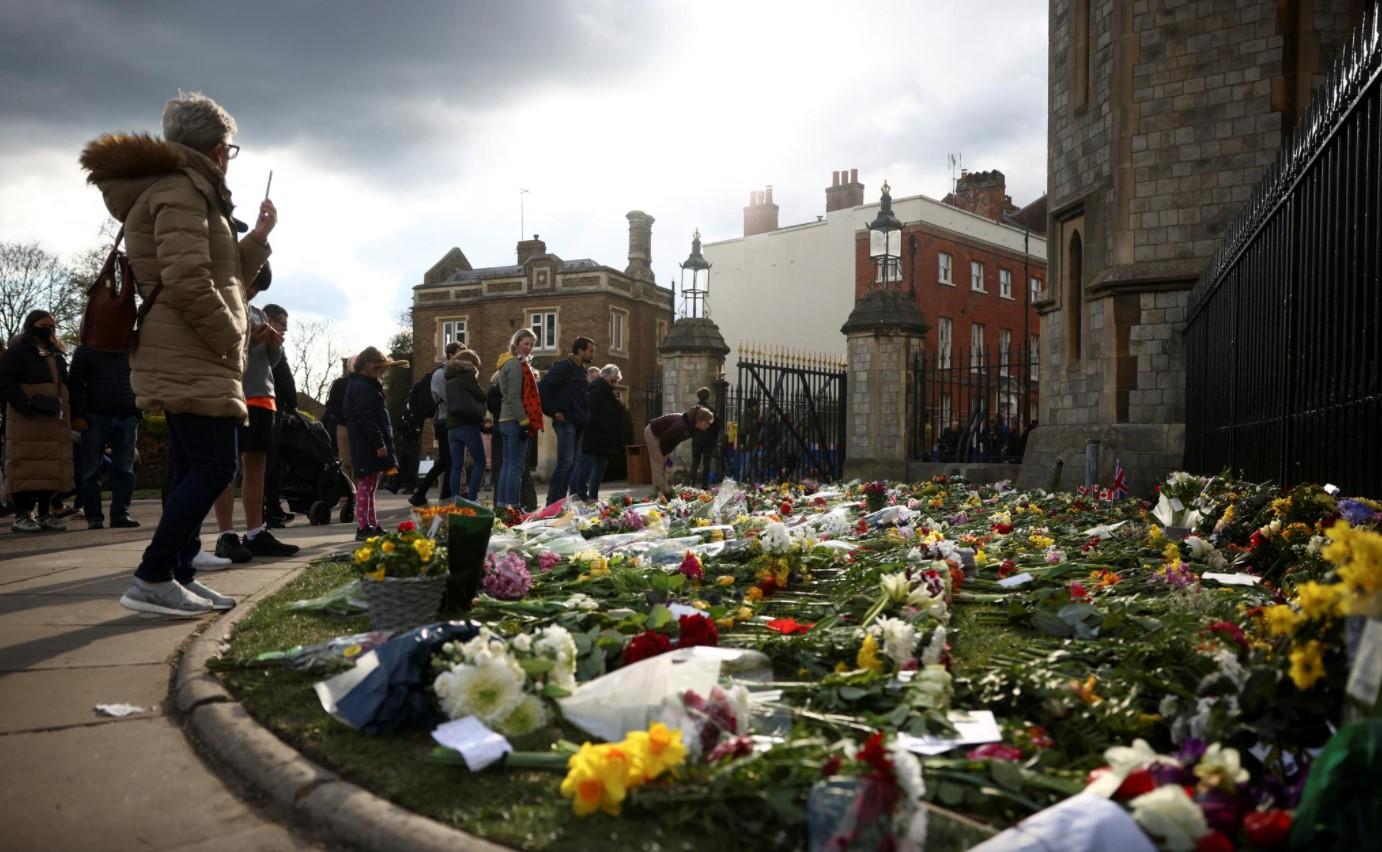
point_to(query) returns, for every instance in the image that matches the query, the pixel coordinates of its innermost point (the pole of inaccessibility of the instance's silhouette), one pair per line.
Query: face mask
(44, 334)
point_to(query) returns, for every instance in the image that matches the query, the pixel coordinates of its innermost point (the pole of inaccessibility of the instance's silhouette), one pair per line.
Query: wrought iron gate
(785, 417)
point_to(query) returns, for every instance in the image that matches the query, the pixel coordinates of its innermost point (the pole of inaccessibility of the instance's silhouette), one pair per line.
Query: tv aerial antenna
(956, 162)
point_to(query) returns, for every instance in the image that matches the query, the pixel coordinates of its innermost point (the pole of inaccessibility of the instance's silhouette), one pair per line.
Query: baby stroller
(312, 479)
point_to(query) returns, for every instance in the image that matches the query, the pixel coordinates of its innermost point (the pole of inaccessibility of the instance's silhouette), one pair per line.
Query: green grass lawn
(521, 809)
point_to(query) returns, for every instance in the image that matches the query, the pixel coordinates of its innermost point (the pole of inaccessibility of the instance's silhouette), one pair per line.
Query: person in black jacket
(367, 422)
(465, 414)
(603, 438)
(286, 399)
(703, 445)
(563, 391)
(103, 411)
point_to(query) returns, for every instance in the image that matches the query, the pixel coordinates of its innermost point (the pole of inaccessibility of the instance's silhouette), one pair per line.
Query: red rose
(1007, 568)
(1214, 842)
(785, 509)
(874, 754)
(1077, 591)
(1139, 782)
(1267, 828)
(831, 766)
(697, 630)
(407, 526)
(1002, 529)
(647, 644)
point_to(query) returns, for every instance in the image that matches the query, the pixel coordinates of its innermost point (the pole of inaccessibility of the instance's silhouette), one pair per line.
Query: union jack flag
(1120, 480)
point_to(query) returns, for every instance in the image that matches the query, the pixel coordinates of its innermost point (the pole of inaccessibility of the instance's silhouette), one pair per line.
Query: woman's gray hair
(197, 122)
(521, 334)
(611, 370)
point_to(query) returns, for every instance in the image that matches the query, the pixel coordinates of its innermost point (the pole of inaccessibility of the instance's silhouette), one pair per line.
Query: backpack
(110, 321)
(420, 406)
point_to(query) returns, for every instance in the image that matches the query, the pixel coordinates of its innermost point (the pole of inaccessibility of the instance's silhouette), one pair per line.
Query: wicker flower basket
(398, 603)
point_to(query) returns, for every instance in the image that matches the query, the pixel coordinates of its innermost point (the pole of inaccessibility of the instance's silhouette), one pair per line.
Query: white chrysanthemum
(934, 648)
(776, 538)
(528, 716)
(899, 639)
(489, 690)
(915, 556)
(1124, 760)
(523, 642)
(1168, 814)
(907, 770)
(895, 586)
(582, 602)
(1229, 666)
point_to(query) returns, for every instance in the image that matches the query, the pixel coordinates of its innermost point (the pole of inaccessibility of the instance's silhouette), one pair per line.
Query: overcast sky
(398, 130)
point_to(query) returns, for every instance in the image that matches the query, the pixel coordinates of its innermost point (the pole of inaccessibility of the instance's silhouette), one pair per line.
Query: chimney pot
(769, 194)
(835, 178)
(853, 175)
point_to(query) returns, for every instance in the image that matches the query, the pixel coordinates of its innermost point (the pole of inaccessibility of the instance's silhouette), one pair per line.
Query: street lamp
(695, 295)
(885, 244)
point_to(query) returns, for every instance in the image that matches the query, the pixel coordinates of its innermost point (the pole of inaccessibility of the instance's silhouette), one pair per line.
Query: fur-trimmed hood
(124, 165)
(454, 368)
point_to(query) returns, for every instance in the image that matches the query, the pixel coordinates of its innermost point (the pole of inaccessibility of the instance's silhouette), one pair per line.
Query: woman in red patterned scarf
(520, 416)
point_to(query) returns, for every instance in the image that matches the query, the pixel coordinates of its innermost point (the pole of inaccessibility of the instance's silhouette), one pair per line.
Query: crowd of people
(993, 439)
(212, 363)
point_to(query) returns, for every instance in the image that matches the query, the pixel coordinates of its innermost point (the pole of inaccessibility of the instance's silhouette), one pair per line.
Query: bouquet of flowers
(405, 553)
(506, 683)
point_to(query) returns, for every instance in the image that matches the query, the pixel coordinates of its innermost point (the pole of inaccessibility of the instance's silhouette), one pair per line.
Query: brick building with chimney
(794, 286)
(978, 268)
(624, 311)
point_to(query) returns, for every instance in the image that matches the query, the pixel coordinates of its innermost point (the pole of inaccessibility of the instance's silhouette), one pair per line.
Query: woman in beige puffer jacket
(179, 233)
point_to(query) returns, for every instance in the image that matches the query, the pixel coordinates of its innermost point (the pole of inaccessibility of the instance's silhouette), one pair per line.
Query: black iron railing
(1284, 366)
(972, 408)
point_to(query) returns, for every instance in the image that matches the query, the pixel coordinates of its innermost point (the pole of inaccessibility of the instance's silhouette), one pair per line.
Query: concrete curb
(295, 786)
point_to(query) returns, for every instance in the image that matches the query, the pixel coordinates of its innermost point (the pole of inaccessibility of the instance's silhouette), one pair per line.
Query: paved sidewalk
(72, 779)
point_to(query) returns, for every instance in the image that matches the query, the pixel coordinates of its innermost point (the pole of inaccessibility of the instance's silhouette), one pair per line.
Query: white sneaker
(166, 598)
(218, 601)
(207, 561)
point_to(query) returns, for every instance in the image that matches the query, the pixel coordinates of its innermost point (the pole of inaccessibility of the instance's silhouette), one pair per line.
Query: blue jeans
(590, 472)
(202, 455)
(465, 439)
(515, 460)
(120, 434)
(568, 447)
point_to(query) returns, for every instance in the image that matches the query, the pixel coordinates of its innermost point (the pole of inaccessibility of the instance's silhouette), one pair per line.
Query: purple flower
(1356, 512)
(631, 520)
(547, 560)
(1223, 811)
(1191, 751)
(1171, 773)
(506, 576)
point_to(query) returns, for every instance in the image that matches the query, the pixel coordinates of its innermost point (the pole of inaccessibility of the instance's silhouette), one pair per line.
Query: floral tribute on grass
(819, 664)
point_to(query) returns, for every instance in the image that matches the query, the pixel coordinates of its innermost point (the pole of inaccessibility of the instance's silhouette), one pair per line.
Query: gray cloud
(360, 82)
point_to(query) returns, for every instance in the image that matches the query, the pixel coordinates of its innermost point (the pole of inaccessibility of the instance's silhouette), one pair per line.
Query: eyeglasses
(232, 151)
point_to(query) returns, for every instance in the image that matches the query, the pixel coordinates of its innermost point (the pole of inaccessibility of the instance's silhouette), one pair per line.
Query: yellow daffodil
(701, 605)
(1281, 620)
(1086, 690)
(659, 749)
(726, 580)
(387, 547)
(754, 595)
(1041, 541)
(841, 667)
(1171, 552)
(724, 623)
(981, 558)
(1317, 600)
(743, 613)
(868, 655)
(1154, 536)
(363, 555)
(1307, 664)
(597, 779)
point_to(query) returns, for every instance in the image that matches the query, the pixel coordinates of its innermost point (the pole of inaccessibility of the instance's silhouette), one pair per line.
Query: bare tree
(316, 356)
(33, 279)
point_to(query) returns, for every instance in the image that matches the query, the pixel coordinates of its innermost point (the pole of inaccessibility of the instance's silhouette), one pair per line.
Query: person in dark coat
(465, 414)
(604, 437)
(103, 411)
(286, 396)
(564, 399)
(703, 444)
(38, 429)
(366, 416)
